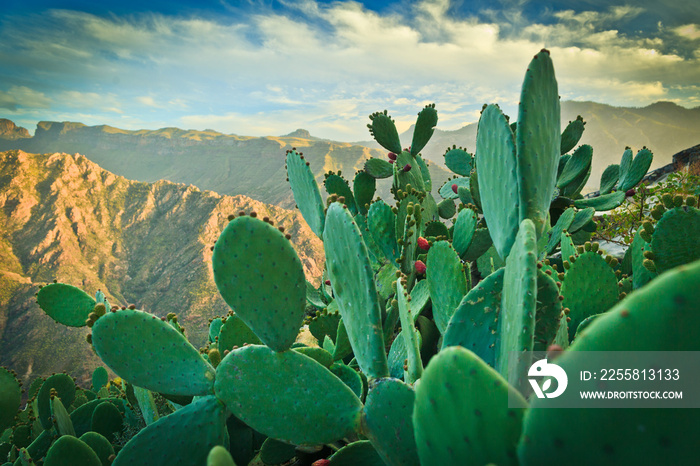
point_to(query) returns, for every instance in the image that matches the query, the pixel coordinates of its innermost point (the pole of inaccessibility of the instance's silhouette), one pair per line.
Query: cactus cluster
(418, 315)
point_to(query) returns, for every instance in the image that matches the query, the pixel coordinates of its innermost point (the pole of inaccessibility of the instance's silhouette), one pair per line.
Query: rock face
(63, 217)
(8, 130)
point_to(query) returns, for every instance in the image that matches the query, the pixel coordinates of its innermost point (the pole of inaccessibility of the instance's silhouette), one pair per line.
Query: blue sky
(268, 67)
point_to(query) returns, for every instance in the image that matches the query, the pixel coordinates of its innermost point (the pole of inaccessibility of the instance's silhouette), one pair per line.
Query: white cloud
(688, 31)
(18, 98)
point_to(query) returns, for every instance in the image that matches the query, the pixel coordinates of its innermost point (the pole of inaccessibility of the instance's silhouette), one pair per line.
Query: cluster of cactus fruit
(420, 306)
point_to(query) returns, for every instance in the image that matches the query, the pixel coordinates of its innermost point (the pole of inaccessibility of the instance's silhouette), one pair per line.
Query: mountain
(664, 127)
(63, 217)
(10, 131)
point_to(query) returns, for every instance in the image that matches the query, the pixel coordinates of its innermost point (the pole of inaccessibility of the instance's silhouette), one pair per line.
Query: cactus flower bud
(455, 188)
(423, 243)
(420, 267)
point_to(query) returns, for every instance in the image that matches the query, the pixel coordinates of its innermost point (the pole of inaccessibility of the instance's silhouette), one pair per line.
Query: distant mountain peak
(299, 133)
(9, 130)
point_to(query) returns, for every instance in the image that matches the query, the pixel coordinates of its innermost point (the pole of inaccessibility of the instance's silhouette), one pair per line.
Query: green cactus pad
(564, 223)
(446, 280)
(446, 191)
(461, 414)
(388, 422)
(184, 437)
(589, 287)
(219, 456)
(626, 162)
(306, 192)
(459, 161)
(383, 131)
(100, 378)
(81, 417)
(675, 239)
(640, 274)
(436, 229)
(579, 163)
(474, 324)
(353, 285)
(465, 226)
(215, 328)
(382, 225)
(100, 445)
(70, 451)
(107, 420)
(260, 276)
(602, 203)
(573, 189)
(276, 452)
(572, 134)
(413, 176)
(287, 396)
(364, 186)
(150, 353)
(336, 184)
(146, 404)
(517, 320)
(397, 357)
(420, 295)
(10, 398)
(423, 131)
(582, 218)
(425, 173)
(447, 208)
(538, 141)
(489, 262)
(403, 212)
(409, 334)
(324, 323)
(481, 242)
(376, 255)
(65, 304)
(319, 355)
(636, 171)
(360, 452)
(498, 178)
(609, 178)
(235, 332)
(61, 418)
(647, 320)
(549, 311)
(474, 189)
(65, 387)
(349, 377)
(343, 348)
(379, 168)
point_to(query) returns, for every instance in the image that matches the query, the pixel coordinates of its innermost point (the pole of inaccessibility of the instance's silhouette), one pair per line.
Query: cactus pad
(446, 280)
(675, 238)
(305, 190)
(10, 398)
(70, 451)
(423, 131)
(66, 304)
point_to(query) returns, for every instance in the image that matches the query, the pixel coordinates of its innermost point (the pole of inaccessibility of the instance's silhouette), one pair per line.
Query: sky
(268, 67)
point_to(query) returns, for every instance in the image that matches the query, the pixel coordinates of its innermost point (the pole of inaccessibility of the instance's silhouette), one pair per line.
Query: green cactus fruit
(10, 398)
(640, 275)
(70, 451)
(235, 332)
(538, 141)
(474, 324)
(462, 415)
(100, 378)
(564, 223)
(446, 280)
(65, 304)
(287, 396)
(647, 320)
(675, 238)
(276, 452)
(602, 203)
(360, 452)
(65, 389)
(481, 242)
(379, 168)
(349, 377)
(409, 333)
(100, 445)
(141, 348)
(183, 437)
(423, 131)
(306, 193)
(260, 276)
(549, 311)
(572, 134)
(465, 227)
(636, 171)
(582, 218)
(579, 163)
(352, 279)
(336, 184)
(609, 178)
(64, 425)
(498, 178)
(459, 161)
(384, 131)
(448, 192)
(219, 456)
(364, 186)
(517, 321)
(388, 422)
(382, 225)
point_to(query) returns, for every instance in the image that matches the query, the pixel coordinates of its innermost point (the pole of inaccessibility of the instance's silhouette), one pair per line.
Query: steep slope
(64, 217)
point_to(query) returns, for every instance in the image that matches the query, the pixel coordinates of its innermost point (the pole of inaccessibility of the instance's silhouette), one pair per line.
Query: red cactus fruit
(455, 188)
(322, 462)
(423, 243)
(554, 351)
(391, 156)
(407, 167)
(630, 192)
(328, 283)
(391, 161)
(420, 267)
